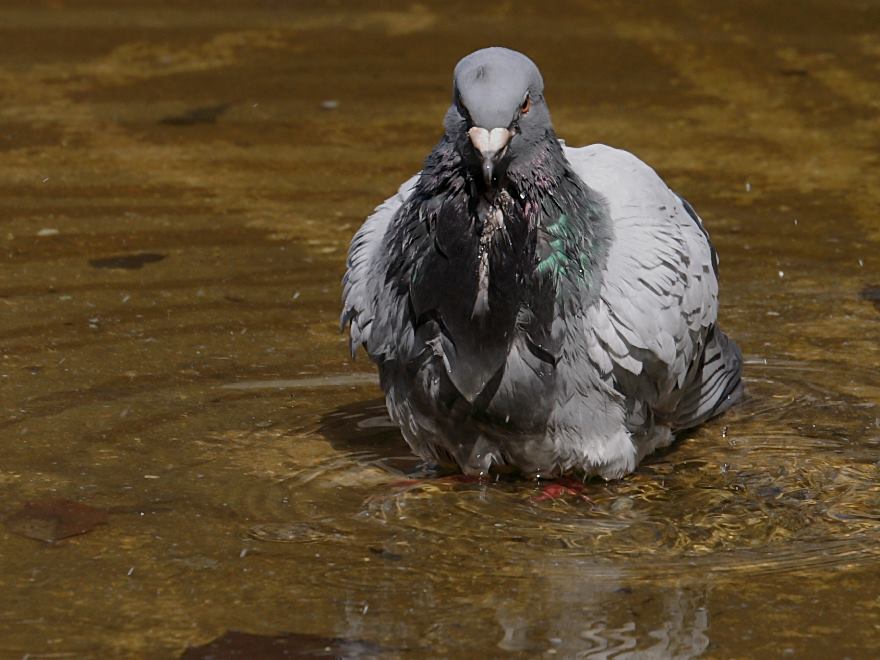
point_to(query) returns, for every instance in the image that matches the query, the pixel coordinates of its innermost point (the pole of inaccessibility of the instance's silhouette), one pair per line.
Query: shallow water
(179, 183)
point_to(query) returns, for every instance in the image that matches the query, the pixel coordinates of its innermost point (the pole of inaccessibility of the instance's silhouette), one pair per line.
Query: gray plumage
(532, 306)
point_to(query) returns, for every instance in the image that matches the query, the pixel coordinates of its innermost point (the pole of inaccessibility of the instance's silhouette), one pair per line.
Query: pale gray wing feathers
(659, 297)
(718, 386)
(363, 280)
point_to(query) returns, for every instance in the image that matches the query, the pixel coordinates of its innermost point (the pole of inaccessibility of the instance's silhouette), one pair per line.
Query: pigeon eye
(526, 105)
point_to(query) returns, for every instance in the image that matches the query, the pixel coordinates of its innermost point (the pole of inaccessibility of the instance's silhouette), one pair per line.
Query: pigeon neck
(573, 229)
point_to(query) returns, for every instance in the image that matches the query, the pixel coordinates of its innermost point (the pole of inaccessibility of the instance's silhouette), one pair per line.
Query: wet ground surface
(178, 185)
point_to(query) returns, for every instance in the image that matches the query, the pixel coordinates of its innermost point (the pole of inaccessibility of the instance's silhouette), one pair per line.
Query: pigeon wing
(364, 277)
(659, 295)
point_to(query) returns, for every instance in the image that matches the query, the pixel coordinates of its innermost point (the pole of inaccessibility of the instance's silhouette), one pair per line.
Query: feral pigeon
(534, 307)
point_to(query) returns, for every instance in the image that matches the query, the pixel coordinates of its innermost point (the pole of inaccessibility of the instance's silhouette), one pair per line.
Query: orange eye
(526, 105)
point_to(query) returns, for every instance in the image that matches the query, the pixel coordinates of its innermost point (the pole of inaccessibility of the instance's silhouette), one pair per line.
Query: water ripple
(786, 481)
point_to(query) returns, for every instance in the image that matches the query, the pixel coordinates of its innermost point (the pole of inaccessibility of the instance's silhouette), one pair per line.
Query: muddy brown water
(179, 182)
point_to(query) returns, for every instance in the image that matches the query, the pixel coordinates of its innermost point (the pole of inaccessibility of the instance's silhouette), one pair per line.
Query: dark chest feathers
(472, 286)
(477, 274)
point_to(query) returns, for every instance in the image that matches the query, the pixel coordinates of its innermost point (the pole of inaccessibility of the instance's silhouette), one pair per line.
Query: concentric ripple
(787, 480)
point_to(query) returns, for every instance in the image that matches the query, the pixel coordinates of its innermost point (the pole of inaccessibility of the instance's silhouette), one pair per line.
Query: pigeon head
(498, 113)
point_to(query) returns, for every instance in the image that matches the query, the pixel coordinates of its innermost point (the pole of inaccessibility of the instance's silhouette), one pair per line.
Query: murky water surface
(179, 182)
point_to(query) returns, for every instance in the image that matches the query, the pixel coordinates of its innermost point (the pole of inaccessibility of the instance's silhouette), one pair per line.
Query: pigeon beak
(491, 145)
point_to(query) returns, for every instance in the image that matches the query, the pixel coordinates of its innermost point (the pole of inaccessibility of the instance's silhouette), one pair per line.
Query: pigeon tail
(718, 386)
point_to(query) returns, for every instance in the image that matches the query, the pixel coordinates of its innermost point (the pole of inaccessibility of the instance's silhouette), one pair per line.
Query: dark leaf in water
(127, 261)
(872, 294)
(208, 114)
(386, 554)
(235, 644)
(53, 520)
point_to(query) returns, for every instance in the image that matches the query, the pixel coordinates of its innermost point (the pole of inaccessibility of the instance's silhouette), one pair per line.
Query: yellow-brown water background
(201, 391)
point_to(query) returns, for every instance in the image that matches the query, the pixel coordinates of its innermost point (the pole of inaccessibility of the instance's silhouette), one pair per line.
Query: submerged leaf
(235, 644)
(296, 532)
(127, 261)
(871, 294)
(51, 520)
(208, 114)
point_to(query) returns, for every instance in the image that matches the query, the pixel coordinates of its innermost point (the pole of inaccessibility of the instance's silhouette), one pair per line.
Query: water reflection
(596, 619)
